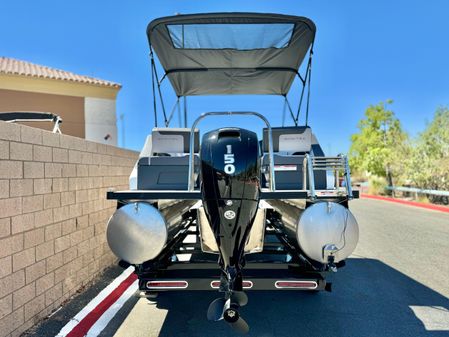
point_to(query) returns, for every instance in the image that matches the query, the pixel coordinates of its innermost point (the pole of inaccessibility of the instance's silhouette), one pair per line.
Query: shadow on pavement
(369, 298)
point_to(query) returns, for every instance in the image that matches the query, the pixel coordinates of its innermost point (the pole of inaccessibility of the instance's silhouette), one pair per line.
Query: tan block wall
(53, 216)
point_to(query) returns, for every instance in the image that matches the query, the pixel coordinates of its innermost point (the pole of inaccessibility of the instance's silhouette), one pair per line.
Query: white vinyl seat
(290, 145)
(167, 166)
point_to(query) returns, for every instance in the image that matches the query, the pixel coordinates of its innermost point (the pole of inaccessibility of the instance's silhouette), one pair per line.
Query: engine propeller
(230, 171)
(233, 318)
(215, 310)
(227, 310)
(239, 297)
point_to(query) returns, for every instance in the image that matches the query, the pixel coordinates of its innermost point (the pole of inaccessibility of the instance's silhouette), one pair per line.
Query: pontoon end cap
(231, 53)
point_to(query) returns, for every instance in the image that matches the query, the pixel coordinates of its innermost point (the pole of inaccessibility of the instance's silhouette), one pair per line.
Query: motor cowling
(230, 175)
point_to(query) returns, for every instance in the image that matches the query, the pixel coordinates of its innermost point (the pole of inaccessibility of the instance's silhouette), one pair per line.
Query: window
(231, 36)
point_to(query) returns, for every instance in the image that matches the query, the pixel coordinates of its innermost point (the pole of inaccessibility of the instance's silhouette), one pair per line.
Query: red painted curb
(87, 322)
(410, 203)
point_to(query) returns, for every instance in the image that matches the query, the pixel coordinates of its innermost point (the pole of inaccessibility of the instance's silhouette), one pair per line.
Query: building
(86, 105)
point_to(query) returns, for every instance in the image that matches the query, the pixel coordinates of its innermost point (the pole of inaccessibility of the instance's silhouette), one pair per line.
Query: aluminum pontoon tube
(290, 211)
(325, 231)
(138, 232)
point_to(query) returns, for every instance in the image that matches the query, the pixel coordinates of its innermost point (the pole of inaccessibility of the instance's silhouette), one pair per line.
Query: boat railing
(338, 165)
(191, 184)
(311, 165)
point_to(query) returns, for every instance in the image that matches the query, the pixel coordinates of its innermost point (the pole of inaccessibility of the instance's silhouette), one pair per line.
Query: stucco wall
(53, 215)
(69, 108)
(99, 114)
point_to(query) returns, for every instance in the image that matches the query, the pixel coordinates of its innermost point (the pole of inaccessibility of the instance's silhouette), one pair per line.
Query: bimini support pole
(305, 82)
(176, 105)
(155, 79)
(308, 85)
(179, 112)
(153, 87)
(287, 104)
(284, 111)
(185, 111)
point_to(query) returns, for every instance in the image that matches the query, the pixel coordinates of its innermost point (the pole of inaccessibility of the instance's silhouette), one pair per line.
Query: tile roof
(10, 66)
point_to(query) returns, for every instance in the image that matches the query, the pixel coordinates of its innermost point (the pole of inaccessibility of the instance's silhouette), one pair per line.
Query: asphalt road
(395, 284)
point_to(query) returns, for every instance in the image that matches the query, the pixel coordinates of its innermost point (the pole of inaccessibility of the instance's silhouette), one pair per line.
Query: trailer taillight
(247, 284)
(167, 284)
(296, 284)
(215, 284)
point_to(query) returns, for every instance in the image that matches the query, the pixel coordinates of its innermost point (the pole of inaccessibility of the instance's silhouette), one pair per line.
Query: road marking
(434, 318)
(109, 314)
(409, 203)
(79, 325)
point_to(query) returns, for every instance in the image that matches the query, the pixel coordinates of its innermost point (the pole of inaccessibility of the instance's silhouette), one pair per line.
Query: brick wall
(53, 216)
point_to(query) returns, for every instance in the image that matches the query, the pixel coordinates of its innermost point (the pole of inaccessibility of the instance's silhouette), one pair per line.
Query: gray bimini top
(231, 53)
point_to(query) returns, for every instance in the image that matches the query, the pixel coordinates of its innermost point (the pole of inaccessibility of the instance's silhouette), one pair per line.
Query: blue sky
(365, 52)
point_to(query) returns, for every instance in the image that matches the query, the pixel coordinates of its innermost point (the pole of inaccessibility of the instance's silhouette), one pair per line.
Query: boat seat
(289, 140)
(290, 145)
(167, 168)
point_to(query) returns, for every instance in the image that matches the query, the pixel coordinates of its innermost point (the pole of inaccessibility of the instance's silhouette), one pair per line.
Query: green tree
(380, 145)
(429, 161)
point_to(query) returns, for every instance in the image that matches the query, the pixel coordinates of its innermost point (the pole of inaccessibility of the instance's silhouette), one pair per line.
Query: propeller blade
(240, 298)
(240, 326)
(215, 310)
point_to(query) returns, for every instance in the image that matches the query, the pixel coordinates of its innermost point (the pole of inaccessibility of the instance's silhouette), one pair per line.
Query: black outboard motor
(230, 172)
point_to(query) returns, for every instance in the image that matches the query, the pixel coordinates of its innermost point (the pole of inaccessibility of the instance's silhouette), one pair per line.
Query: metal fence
(417, 191)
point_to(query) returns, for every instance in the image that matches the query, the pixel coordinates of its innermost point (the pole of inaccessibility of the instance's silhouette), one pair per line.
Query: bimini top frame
(32, 116)
(230, 53)
(237, 53)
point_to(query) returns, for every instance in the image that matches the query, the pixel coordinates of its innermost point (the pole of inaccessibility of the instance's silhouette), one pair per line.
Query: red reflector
(245, 284)
(167, 284)
(215, 284)
(296, 284)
